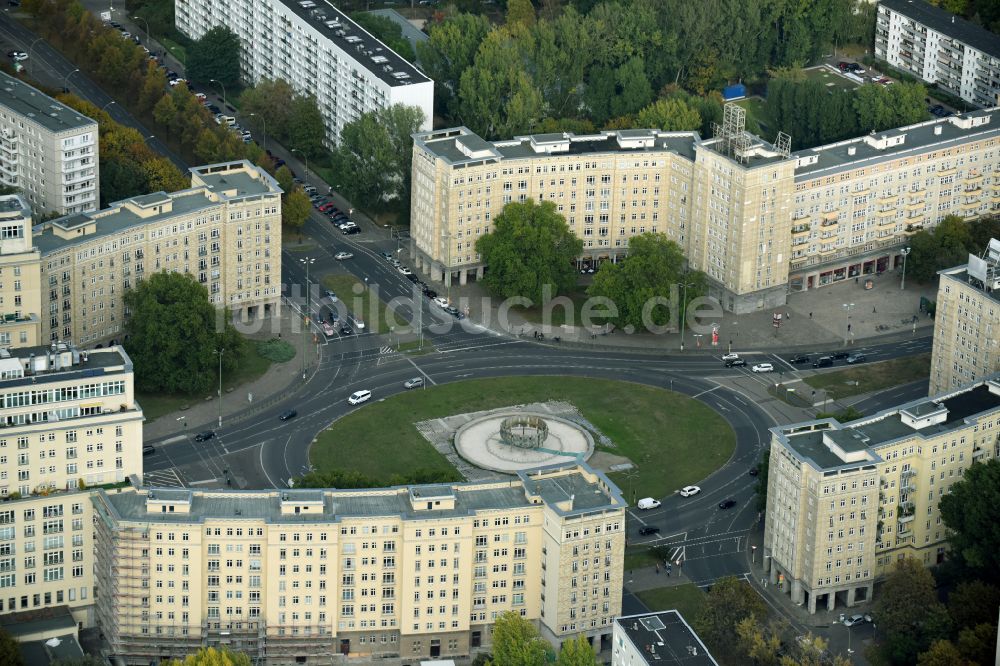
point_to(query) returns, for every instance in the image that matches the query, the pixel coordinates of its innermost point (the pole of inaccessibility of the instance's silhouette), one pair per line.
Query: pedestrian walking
(810, 315)
(657, 569)
(874, 310)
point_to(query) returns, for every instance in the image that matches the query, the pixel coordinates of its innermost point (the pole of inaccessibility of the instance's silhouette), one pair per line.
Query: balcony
(914, 205)
(973, 179)
(978, 453)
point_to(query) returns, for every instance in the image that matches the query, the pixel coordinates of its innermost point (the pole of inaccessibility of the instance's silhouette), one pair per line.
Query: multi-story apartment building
(319, 50)
(225, 230)
(20, 281)
(300, 576)
(758, 220)
(69, 419)
(846, 501)
(967, 322)
(47, 150)
(939, 47)
(47, 554)
(654, 638)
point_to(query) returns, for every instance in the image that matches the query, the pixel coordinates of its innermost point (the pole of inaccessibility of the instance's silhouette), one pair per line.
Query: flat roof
(117, 217)
(374, 502)
(92, 363)
(665, 638)
(53, 618)
(888, 426)
(857, 152)
(961, 274)
(32, 103)
(372, 54)
(948, 24)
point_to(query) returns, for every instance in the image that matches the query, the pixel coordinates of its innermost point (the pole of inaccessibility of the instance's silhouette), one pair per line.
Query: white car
(332, 296)
(857, 619)
(688, 491)
(732, 356)
(416, 382)
(441, 302)
(20, 56)
(340, 256)
(763, 367)
(359, 397)
(403, 270)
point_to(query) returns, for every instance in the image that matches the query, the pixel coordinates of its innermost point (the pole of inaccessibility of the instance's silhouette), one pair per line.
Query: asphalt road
(48, 66)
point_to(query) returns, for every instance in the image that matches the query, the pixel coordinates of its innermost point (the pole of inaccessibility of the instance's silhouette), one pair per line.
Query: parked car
(763, 367)
(359, 397)
(416, 382)
(646, 530)
(688, 491)
(148, 450)
(333, 316)
(386, 255)
(328, 330)
(857, 619)
(430, 293)
(855, 68)
(288, 414)
(204, 436)
(345, 329)
(332, 296)
(413, 278)
(340, 256)
(727, 503)
(736, 363)
(17, 56)
(801, 358)
(855, 358)
(403, 270)
(454, 312)
(441, 301)
(843, 66)
(350, 231)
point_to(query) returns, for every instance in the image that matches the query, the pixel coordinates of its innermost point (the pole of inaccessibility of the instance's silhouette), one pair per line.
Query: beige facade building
(967, 323)
(68, 418)
(48, 151)
(20, 276)
(759, 220)
(225, 230)
(845, 501)
(301, 576)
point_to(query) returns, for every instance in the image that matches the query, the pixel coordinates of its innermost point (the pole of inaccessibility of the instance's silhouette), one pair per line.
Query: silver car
(416, 382)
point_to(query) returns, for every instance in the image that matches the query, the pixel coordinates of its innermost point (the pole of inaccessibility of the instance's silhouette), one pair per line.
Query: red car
(325, 207)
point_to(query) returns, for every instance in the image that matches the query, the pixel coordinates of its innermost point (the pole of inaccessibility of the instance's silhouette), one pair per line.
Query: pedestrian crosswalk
(386, 350)
(164, 478)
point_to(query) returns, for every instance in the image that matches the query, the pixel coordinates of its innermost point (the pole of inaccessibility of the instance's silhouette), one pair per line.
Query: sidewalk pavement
(277, 383)
(814, 318)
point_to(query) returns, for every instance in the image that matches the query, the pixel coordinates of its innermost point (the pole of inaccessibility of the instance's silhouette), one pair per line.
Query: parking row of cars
(338, 218)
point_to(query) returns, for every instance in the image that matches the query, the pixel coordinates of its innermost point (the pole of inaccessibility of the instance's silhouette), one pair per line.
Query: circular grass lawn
(672, 439)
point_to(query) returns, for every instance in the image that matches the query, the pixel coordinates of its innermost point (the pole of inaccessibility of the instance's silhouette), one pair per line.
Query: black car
(840, 355)
(386, 255)
(454, 312)
(148, 450)
(430, 293)
(413, 278)
(736, 363)
(333, 317)
(727, 503)
(754, 471)
(648, 529)
(214, 109)
(351, 230)
(289, 414)
(204, 436)
(801, 358)
(346, 330)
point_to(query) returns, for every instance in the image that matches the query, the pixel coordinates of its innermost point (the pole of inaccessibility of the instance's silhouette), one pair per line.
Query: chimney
(851, 150)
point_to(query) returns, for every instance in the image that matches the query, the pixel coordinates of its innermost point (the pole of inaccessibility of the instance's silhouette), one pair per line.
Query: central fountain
(510, 441)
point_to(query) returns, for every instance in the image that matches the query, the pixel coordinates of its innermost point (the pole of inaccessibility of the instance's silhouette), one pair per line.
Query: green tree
(497, 96)
(760, 486)
(306, 131)
(670, 114)
(760, 643)
(645, 285)
(10, 652)
(215, 56)
(973, 602)
(172, 332)
(516, 642)
(530, 247)
(971, 511)
(450, 50)
(942, 653)
(978, 644)
(621, 91)
(286, 181)
(212, 657)
(728, 603)
(909, 614)
(295, 209)
(520, 12)
(165, 110)
(85, 660)
(577, 652)
(947, 245)
(269, 100)
(374, 158)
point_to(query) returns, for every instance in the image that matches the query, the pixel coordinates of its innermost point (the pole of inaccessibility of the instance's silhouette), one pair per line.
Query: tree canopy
(516, 642)
(216, 55)
(577, 652)
(644, 286)
(909, 614)
(730, 601)
(971, 510)
(212, 657)
(172, 333)
(291, 118)
(530, 246)
(10, 652)
(372, 164)
(948, 244)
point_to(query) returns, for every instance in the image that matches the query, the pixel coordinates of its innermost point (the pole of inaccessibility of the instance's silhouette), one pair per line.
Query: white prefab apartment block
(47, 150)
(941, 48)
(319, 50)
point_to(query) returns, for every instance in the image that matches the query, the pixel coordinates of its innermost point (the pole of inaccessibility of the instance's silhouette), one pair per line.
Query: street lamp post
(224, 102)
(847, 326)
(905, 252)
(308, 313)
(108, 104)
(139, 18)
(263, 121)
(684, 300)
(66, 78)
(305, 157)
(219, 353)
(30, 59)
